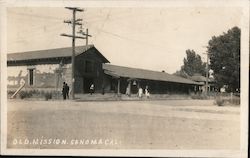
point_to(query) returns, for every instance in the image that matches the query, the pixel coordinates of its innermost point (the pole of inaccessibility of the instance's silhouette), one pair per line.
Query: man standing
(64, 91)
(67, 90)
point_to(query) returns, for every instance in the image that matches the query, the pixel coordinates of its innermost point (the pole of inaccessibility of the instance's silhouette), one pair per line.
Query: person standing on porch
(140, 92)
(147, 92)
(92, 89)
(127, 91)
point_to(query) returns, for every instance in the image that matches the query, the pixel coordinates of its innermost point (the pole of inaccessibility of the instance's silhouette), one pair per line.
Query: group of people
(65, 91)
(140, 92)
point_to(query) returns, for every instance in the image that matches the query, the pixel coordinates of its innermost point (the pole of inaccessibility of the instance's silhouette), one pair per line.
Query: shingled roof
(120, 71)
(50, 53)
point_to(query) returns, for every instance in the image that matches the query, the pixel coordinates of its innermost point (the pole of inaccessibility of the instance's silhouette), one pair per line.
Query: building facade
(202, 80)
(48, 69)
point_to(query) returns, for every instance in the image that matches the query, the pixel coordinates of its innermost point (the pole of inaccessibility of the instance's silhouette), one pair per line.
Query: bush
(37, 94)
(10, 92)
(198, 96)
(42, 92)
(219, 101)
(34, 91)
(48, 95)
(56, 94)
(25, 94)
(235, 100)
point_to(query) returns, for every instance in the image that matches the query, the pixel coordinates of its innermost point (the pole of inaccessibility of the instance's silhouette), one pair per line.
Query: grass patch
(200, 96)
(223, 99)
(25, 94)
(39, 94)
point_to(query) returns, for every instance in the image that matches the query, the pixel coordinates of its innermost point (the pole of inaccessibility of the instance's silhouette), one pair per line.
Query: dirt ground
(165, 124)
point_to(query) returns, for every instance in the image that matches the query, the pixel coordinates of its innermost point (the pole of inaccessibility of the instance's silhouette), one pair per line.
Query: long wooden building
(48, 69)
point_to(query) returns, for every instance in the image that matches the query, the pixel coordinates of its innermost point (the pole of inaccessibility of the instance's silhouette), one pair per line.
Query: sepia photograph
(134, 77)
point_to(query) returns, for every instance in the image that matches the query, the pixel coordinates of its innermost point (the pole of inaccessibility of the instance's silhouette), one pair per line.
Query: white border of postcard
(131, 3)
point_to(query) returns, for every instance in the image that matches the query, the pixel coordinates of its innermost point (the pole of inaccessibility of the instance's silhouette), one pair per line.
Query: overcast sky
(148, 38)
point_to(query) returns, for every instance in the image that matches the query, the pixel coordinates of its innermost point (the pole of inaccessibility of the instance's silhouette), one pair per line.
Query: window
(31, 77)
(89, 66)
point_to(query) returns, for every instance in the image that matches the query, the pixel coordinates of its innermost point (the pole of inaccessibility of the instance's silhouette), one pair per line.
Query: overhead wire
(37, 16)
(99, 30)
(129, 39)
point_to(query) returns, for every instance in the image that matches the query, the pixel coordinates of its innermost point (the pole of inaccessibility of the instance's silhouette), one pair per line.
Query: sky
(147, 38)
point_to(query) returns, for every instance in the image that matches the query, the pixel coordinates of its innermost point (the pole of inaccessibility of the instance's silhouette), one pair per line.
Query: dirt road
(169, 124)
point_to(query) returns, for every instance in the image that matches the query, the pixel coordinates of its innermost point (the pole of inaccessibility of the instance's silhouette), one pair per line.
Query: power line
(37, 16)
(129, 39)
(49, 31)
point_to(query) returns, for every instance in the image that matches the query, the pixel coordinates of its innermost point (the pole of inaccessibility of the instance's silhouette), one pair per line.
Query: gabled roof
(51, 53)
(120, 71)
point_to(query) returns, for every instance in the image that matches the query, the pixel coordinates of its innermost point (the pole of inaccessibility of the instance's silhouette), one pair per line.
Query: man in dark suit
(64, 91)
(67, 90)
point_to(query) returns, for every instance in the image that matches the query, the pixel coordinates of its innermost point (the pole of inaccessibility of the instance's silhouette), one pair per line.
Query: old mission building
(48, 69)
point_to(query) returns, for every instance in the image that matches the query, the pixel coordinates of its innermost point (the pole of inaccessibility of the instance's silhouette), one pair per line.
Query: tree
(224, 53)
(192, 64)
(181, 73)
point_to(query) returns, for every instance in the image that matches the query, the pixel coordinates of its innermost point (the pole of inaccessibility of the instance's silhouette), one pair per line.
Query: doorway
(86, 84)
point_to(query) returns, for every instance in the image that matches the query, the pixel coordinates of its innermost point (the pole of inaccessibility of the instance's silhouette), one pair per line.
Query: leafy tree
(224, 52)
(192, 64)
(181, 73)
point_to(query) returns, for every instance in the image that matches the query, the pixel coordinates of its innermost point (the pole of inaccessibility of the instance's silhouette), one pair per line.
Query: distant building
(202, 80)
(48, 69)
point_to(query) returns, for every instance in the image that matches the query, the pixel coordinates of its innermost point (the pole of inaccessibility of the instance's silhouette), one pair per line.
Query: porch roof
(120, 71)
(200, 78)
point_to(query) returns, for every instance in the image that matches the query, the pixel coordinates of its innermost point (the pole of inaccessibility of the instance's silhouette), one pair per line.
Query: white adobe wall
(44, 76)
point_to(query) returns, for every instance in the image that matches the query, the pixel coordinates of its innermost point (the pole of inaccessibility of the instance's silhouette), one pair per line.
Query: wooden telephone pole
(207, 73)
(207, 76)
(74, 22)
(207, 70)
(85, 34)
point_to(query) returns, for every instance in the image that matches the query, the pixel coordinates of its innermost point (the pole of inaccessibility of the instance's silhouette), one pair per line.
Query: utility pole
(206, 88)
(74, 22)
(87, 37)
(207, 76)
(85, 34)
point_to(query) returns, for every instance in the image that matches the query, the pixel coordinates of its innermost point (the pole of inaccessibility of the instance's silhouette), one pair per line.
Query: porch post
(118, 86)
(83, 85)
(138, 85)
(129, 88)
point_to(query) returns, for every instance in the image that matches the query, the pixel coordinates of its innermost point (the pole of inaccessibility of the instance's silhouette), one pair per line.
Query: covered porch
(127, 81)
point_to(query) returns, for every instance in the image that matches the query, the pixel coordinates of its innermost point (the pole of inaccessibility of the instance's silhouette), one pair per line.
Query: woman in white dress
(140, 92)
(147, 92)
